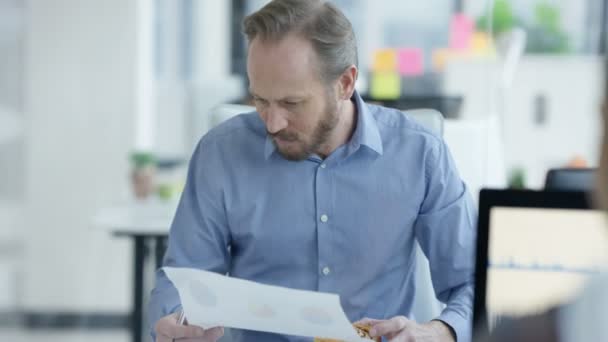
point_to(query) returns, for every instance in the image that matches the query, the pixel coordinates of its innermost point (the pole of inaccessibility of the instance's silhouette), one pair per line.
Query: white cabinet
(549, 115)
(552, 114)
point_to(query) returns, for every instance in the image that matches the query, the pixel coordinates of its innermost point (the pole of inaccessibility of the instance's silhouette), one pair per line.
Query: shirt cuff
(461, 326)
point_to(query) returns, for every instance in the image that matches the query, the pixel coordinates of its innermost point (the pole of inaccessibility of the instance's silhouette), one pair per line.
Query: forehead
(280, 68)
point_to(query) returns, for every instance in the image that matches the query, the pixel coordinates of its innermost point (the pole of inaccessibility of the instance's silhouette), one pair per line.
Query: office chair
(570, 179)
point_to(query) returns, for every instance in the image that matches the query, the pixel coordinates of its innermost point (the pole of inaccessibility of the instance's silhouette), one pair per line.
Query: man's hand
(401, 329)
(167, 329)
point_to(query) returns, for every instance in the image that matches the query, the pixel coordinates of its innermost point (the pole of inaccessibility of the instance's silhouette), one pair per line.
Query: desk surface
(150, 218)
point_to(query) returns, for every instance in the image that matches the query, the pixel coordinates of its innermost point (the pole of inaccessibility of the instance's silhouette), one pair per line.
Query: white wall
(80, 83)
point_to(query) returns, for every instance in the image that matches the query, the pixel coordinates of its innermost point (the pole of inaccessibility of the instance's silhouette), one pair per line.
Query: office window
(552, 26)
(377, 24)
(12, 34)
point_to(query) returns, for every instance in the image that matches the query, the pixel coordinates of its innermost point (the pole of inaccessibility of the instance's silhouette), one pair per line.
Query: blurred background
(102, 102)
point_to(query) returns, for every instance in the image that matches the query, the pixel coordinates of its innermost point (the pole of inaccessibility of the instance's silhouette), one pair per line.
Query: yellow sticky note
(385, 60)
(385, 86)
(440, 58)
(481, 43)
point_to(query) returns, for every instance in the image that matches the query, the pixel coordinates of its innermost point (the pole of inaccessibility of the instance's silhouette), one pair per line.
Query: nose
(274, 119)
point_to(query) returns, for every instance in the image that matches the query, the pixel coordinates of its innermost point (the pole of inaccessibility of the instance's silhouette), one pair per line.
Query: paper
(385, 86)
(461, 31)
(385, 60)
(210, 299)
(411, 62)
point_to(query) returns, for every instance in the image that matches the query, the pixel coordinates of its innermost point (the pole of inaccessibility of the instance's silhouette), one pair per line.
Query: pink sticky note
(461, 32)
(411, 62)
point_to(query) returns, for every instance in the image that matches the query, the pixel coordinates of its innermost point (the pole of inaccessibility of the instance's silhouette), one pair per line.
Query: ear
(346, 82)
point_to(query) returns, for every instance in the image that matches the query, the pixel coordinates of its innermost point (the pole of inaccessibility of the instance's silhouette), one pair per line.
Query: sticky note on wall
(385, 86)
(411, 61)
(481, 43)
(384, 60)
(461, 32)
(440, 58)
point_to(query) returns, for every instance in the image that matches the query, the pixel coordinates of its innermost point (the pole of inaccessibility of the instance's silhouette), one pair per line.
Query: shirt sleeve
(199, 236)
(446, 230)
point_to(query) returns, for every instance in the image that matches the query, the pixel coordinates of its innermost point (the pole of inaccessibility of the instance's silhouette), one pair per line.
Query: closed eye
(290, 103)
(260, 101)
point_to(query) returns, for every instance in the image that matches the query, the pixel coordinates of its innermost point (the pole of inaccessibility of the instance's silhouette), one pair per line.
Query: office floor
(19, 335)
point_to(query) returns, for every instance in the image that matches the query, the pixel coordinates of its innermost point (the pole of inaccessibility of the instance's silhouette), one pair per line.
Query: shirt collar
(366, 132)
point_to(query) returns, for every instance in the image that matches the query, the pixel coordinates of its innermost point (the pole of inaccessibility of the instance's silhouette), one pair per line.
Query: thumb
(213, 334)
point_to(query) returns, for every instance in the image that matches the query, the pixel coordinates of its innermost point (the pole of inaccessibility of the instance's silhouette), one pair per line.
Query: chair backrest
(224, 112)
(429, 118)
(570, 179)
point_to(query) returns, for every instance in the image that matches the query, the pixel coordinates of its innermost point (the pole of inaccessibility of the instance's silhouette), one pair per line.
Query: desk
(143, 222)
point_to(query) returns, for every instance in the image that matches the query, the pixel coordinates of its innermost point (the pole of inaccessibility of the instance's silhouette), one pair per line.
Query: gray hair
(321, 22)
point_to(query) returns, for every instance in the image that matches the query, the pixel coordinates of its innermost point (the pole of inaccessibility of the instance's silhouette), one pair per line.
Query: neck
(344, 129)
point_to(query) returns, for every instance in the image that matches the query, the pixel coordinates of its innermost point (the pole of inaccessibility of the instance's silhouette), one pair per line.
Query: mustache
(283, 135)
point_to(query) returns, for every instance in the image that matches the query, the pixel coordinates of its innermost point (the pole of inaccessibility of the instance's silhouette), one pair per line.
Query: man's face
(298, 109)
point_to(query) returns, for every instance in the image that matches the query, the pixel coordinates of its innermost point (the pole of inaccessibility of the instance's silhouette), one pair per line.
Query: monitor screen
(540, 257)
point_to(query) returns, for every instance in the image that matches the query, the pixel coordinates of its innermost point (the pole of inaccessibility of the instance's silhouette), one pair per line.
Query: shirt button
(323, 166)
(326, 270)
(324, 218)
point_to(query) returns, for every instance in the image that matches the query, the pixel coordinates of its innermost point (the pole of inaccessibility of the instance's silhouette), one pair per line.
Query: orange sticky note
(461, 32)
(411, 62)
(385, 60)
(385, 86)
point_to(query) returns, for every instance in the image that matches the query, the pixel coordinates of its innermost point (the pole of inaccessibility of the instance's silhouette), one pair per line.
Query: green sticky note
(385, 86)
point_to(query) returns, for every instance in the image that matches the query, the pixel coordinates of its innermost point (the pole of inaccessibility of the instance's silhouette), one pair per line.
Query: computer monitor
(569, 179)
(535, 250)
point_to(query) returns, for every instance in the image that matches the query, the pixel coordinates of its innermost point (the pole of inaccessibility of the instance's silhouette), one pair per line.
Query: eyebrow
(286, 98)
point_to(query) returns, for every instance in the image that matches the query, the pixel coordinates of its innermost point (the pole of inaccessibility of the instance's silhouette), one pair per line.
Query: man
(320, 191)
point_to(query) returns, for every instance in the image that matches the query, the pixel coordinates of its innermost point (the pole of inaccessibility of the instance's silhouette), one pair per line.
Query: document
(210, 300)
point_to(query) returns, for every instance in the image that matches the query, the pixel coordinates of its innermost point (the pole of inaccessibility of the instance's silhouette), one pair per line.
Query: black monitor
(570, 179)
(535, 250)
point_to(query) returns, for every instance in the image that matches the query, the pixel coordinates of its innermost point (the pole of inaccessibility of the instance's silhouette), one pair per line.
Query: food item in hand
(362, 330)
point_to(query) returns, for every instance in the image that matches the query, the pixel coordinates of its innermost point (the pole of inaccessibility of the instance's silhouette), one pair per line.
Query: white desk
(144, 222)
(151, 217)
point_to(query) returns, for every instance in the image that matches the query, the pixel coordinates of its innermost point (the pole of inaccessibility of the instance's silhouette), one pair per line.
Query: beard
(301, 148)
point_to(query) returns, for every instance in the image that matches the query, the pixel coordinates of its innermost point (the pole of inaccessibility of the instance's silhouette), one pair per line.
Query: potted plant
(143, 170)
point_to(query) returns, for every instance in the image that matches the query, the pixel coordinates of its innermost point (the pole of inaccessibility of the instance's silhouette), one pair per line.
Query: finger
(391, 326)
(160, 326)
(368, 321)
(174, 330)
(162, 338)
(214, 334)
(211, 335)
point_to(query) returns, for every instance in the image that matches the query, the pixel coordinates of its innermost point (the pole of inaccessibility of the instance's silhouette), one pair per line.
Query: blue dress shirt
(345, 225)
